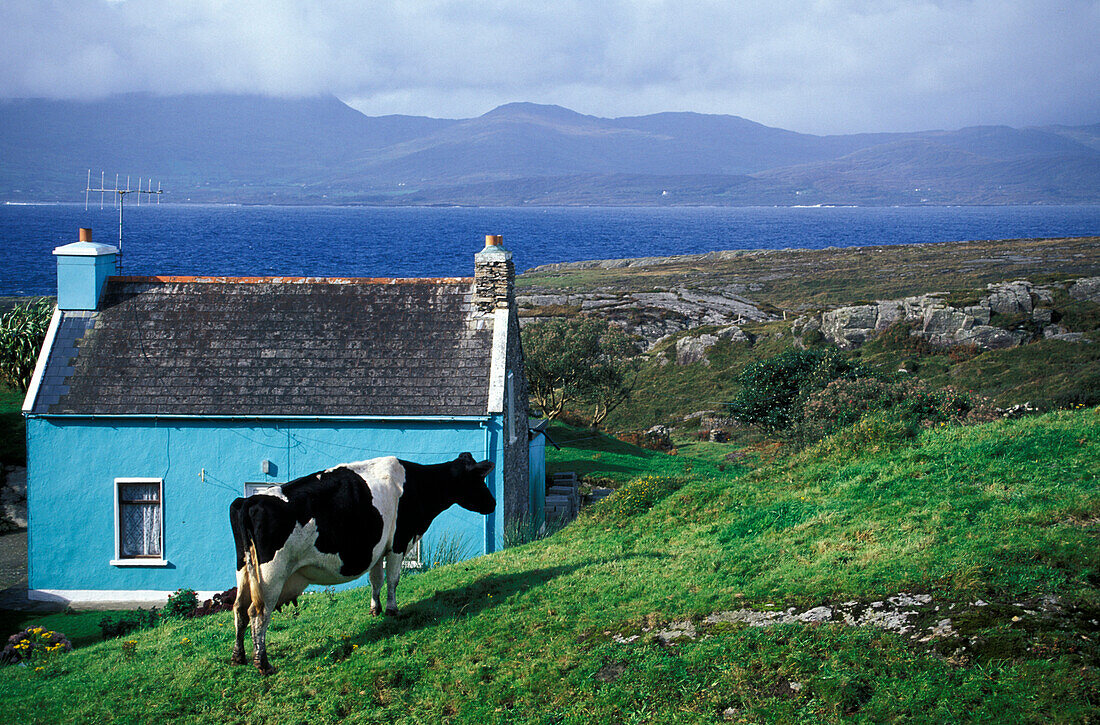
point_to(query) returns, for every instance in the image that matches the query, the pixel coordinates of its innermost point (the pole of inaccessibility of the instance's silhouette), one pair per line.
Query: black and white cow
(332, 526)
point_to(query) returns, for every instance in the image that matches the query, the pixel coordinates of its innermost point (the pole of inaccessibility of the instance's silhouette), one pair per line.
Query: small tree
(582, 360)
(771, 389)
(22, 330)
(612, 374)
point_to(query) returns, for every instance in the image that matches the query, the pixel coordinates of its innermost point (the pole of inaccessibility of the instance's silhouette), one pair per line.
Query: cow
(332, 526)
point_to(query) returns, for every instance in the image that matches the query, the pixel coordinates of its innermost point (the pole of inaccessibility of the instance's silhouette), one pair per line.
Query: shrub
(222, 602)
(33, 643)
(182, 603)
(771, 388)
(912, 403)
(872, 433)
(116, 625)
(636, 497)
(652, 440)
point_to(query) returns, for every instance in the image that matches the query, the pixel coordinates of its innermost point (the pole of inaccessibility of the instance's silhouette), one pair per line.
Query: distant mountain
(253, 149)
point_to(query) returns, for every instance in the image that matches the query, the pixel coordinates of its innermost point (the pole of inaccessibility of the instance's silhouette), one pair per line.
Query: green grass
(999, 511)
(81, 628)
(601, 458)
(1046, 373)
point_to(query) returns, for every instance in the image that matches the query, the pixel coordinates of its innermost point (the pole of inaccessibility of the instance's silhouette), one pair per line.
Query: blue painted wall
(73, 463)
(536, 457)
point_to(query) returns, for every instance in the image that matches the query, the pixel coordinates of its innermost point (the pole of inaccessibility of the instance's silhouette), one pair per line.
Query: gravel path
(13, 560)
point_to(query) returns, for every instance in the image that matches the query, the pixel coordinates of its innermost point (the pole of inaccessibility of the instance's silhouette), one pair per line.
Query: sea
(192, 239)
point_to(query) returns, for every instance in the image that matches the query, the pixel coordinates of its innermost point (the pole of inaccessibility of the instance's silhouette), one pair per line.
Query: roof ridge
(210, 279)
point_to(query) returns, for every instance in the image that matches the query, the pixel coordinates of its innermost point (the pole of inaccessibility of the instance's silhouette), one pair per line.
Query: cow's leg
(376, 586)
(240, 615)
(393, 575)
(261, 616)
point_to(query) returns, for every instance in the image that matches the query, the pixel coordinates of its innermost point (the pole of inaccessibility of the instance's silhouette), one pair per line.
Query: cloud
(822, 66)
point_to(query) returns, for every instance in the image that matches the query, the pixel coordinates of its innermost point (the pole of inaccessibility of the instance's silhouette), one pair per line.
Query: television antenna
(120, 195)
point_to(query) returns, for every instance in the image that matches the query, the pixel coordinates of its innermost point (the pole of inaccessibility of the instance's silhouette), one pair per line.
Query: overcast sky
(831, 66)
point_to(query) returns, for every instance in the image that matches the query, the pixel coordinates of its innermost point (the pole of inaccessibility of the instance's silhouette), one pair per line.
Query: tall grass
(450, 547)
(22, 330)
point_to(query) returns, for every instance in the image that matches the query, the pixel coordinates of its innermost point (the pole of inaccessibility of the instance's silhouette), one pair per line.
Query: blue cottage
(159, 400)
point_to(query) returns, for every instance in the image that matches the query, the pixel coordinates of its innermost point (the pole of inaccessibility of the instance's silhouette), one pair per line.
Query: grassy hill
(616, 618)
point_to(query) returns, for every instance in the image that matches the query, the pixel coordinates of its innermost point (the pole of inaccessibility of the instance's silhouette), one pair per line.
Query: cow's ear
(483, 468)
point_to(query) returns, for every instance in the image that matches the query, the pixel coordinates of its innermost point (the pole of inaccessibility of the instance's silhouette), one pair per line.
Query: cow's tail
(252, 563)
(254, 583)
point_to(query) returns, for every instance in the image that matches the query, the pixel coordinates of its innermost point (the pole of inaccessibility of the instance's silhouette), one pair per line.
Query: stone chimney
(494, 276)
(82, 270)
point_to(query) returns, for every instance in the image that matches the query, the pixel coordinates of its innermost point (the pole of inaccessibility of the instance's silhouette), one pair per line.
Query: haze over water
(424, 242)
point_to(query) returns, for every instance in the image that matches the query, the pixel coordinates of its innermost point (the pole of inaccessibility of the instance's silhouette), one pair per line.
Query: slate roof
(272, 346)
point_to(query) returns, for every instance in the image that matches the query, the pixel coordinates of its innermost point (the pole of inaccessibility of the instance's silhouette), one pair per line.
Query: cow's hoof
(391, 612)
(265, 668)
(238, 658)
(375, 610)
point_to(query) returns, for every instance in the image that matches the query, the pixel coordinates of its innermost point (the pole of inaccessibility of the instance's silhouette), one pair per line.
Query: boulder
(1042, 315)
(733, 333)
(988, 337)
(850, 327)
(694, 349)
(1086, 289)
(1058, 332)
(1009, 298)
(980, 313)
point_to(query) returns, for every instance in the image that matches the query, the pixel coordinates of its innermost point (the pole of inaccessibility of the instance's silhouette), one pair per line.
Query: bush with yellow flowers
(32, 644)
(636, 497)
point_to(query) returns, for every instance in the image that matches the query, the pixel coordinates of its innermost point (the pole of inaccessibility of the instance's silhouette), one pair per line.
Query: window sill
(139, 562)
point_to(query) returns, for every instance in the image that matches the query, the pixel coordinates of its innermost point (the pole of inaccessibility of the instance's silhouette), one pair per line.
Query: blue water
(426, 242)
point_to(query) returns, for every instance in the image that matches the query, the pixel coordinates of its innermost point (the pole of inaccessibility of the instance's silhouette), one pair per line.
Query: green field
(1003, 512)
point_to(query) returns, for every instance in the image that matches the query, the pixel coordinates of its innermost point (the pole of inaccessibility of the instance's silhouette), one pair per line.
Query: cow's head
(468, 484)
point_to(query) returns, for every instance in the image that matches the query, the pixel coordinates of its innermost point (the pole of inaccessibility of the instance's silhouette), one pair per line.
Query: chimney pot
(494, 240)
(85, 234)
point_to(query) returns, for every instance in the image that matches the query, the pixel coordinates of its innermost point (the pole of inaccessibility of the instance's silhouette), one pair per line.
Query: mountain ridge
(257, 149)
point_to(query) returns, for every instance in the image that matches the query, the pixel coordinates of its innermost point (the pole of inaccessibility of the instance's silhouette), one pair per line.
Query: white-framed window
(139, 522)
(250, 488)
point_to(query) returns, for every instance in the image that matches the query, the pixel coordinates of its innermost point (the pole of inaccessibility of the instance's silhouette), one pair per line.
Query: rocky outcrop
(694, 349)
(655, 315)
(943, 324)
